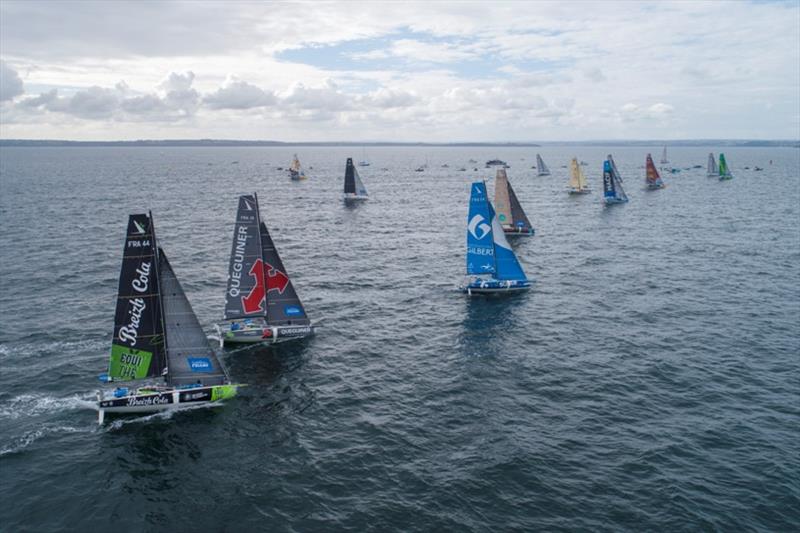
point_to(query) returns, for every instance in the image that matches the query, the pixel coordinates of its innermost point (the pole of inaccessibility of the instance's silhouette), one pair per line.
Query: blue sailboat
(613, 193)
(492, 266)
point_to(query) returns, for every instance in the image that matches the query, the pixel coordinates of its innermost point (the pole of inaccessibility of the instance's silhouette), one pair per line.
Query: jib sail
(137, 349)
(245, 273)
(352, 181)
(283, 304)
(190, 357)
(519, 217)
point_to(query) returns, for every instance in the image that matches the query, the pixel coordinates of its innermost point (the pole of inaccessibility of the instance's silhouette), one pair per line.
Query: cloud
(236, 94)
(10, 82)
(632, 112)
(326, 97)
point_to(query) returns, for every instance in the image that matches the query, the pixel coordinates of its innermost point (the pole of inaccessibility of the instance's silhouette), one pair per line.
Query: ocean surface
(649, 381)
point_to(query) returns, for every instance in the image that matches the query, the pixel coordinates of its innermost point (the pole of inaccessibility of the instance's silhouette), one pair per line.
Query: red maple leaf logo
(276, 281)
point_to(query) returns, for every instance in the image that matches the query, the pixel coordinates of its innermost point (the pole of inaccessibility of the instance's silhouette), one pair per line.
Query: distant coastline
(228, 143)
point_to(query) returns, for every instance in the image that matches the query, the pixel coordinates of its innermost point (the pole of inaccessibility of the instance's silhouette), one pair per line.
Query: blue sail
(480, 245)
(507, 266)
(608, 180)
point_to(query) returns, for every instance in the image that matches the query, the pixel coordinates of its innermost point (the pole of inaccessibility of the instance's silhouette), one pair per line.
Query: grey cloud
(328, 97)
(10, 82)
(239, 95)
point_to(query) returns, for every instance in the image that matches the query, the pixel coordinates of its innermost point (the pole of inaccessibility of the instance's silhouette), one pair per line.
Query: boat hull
(267, 334)
(579, 191)
(614, 201)
(348, 197)
(154, 401)
(517, 232)
(495, 286)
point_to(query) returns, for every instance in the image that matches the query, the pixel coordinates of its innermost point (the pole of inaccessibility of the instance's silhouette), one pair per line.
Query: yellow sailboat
(577, 180)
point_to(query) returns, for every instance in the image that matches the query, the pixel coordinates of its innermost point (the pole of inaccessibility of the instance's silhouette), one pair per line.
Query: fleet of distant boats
(159, 343)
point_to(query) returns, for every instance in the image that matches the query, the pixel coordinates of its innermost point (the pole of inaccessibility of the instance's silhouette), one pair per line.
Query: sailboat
(364, 161)
(509, 211)
(664, 160)
(541, 168)
(296, 171)
(261, 304)
(712, 171)
(577, 180)
(353, 187)
(724, 171)
(652, 179)
(492, 266)
(157, 339)
(613, 193)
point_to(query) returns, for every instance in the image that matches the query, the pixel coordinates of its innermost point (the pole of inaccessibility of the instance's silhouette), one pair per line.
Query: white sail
(664, 156)
(712, 170)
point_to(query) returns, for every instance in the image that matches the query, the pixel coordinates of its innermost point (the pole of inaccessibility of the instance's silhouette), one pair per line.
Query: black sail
(284, 306)
(190, 357)
(519, 217)
(137, 349)
(245, 270)
(350, 177)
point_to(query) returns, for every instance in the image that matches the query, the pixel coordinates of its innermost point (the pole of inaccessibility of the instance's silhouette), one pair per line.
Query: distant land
(222, 142)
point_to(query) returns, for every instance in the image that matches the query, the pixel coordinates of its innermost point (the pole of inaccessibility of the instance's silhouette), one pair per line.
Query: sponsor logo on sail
(199, 364)
(139, 227)
(136, 306)
(478, 227)
(238, 260)
(292, 310)
(275, 281)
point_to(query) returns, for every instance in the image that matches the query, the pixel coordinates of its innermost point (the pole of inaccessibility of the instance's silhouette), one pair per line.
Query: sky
(473, 71)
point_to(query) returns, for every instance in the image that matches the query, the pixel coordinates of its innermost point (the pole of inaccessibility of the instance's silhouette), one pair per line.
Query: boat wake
(19, 444)
(27, 405)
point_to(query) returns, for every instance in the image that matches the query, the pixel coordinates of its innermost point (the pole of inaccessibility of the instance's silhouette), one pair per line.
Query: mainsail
(352, 181)
(480, 245)
(577, 180)
(712, 166)
(541, 168)
(652, 179)
(191, 359)
(664, 156)
(283, 304)
(295, 164)
(502, 202)
(245, 271)
(617, 180)
(137, 349)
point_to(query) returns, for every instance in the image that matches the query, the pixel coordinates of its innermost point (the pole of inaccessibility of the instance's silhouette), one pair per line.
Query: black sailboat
(353, 187)
(261, 304)
(157, 337)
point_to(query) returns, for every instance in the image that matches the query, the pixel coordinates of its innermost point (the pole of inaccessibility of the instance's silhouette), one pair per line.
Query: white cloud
(500, 71)
(237, 94)
(10, 83)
